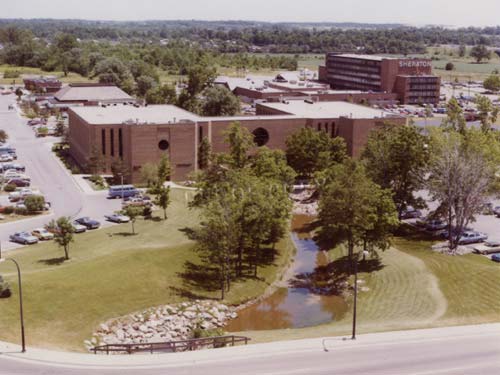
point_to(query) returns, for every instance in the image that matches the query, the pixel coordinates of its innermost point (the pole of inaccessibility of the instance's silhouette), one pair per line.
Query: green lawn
(111, 274)
(71, 77)
(415, 288)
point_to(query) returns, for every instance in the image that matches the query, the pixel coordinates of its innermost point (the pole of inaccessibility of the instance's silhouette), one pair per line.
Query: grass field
(110, 274)
(415, 288)
(71, 77)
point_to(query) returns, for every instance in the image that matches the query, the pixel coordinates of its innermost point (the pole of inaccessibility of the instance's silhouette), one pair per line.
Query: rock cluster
(164, 323)
(303, 203)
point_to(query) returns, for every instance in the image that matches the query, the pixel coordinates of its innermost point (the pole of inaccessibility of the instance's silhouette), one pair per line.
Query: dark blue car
(495, 257)
(88, 222)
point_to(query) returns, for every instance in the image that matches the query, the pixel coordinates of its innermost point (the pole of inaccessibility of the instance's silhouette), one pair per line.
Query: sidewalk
(146, 360)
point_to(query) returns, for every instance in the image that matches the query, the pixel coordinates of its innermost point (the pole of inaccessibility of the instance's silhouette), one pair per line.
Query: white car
(78, 228)
(42, 234)
(6, 157)
(488, 247)
(117, 218)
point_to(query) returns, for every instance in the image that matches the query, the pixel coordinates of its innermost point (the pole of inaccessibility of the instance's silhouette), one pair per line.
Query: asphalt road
(47, 175)
(401, 353)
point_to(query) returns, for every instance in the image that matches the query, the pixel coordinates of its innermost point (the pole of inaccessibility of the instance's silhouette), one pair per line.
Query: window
(112, 141)
(103, 141)
(120, 143)
(163, 145)
(333, 130)
(260, 136)
(319, 126)
(200, 133)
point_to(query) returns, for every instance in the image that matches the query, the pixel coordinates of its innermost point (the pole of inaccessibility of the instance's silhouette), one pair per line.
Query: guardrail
(173, 346)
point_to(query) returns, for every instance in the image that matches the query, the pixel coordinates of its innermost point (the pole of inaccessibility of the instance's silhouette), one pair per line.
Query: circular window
(163, 145)
(260, 136)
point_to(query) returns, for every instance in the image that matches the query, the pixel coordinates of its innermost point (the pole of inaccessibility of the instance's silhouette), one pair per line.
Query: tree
(488, 113)
(272, 165)
(120, 171)
(480, 52)
(34, 203)
(204, 153)
(461, 174)
(63, 235)
(449, 66)
(163, 199)
(163, 170)
(219, 101)
(352, 207)
(199, 77)
(462, 50)
(5, 291)
(492, 83)
(309, 151)
(96, 163)
(145, 84)
(113, 71)
(133, 212)
(455, 119)
(164, 94)
(240, 141)
(149, 174)
(396, 158)
(3, 136)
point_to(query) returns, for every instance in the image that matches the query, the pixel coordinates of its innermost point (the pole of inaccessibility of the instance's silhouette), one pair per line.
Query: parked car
(435, 224)
(13, 166)
(23, 238)
(496, 211)
(19, 182)
(495, 257)
(42, 234)
(88, 222)
(78, 228)
(411, 213)
(6, 157)
(137, 201)
(488, 247)
(117, 218)
(472, 237)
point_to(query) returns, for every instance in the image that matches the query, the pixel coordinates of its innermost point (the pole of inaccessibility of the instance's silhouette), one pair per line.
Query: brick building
(138, 135)
(410, 79)
(42, 85)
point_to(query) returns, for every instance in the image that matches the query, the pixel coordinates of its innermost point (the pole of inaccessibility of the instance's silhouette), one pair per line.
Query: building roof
(129, 114)
(318, 110)
(91, 93)
(363, 57)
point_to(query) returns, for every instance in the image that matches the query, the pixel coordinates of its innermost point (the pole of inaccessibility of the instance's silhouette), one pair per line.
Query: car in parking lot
(23, 238)
(88, 222)
(117, 218)
(42, 234)
(19, 182)
(488, 247)
(13, 167)
(435, 225)
(411, 213)
(78, 228)
(495, 257)
(6, 157)
(472, 237)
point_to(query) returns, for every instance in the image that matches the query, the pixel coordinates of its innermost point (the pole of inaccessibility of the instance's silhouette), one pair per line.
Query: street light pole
(23, 339)
(122, 185)
(364, 253)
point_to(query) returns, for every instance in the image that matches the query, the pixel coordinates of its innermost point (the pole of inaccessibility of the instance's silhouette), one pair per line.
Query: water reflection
(293, 307)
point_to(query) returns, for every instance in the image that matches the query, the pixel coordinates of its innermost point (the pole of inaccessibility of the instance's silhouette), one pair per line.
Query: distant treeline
(243, 36)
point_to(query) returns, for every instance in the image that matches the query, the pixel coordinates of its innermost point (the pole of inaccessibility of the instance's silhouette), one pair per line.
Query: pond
(293, 307)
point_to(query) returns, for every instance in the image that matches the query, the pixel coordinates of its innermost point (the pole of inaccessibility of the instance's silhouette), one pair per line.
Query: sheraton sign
(415, 63)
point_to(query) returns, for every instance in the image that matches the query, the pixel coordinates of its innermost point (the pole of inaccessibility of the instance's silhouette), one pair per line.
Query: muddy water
(291, 307)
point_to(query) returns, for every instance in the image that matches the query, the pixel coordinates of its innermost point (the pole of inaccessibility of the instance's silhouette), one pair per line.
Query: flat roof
(319, 110)
(363, 57)
(129, 114)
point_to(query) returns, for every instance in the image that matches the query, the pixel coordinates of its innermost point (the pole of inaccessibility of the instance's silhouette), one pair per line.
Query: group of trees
(245, 207)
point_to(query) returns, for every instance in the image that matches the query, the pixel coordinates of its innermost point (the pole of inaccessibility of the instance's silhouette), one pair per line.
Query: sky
(414, 12)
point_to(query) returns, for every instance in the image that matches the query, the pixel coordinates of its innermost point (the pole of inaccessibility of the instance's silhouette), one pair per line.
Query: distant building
(411, 79)
(89, 94)
(42, 85)
(138, 135)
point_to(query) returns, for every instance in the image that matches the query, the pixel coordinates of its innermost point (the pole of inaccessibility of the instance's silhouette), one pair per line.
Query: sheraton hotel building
(138, 135)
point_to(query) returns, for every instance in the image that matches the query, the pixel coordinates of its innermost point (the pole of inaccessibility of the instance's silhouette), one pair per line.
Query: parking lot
(47, 175)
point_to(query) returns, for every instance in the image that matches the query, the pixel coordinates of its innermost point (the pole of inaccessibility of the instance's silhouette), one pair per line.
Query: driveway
(47, 175)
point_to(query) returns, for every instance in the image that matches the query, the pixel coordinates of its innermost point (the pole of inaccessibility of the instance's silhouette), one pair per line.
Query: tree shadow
(197, 277)
(124, 234)
(332, 279)
(189, 232)
(52, 261)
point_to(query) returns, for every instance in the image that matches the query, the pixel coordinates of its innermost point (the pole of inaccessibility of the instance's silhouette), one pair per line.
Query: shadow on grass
(332, 279)
(52, 261)
(124, 234)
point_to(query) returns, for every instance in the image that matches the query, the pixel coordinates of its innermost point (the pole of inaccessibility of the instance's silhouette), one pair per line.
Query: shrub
(21, 211)
(449, 66)
(97, 180)
(34, 203)
(7, 210)
(9, 188)
(4, 288)
(11, 74)
(147, 212)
